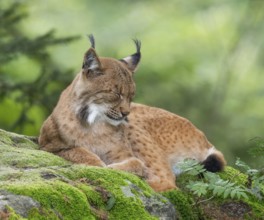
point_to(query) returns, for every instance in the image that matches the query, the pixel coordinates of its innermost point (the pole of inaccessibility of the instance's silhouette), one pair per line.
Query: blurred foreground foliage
(202, 60)
(26, 100)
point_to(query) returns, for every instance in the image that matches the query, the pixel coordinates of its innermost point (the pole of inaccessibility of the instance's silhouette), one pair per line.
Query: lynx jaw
(99, 113)
(96, 112)
(113, 117)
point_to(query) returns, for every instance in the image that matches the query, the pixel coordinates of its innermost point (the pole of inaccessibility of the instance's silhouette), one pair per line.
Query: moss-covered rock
(61, 190)
(213, 207)
(38, 185)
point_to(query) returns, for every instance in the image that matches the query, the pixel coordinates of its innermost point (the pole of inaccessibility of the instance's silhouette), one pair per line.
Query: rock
(156, 205)
(38, 185)
(48, 186)
(20, 204)
(236, 209)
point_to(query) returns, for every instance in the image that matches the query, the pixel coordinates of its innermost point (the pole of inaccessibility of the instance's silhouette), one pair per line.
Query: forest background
(202, 60)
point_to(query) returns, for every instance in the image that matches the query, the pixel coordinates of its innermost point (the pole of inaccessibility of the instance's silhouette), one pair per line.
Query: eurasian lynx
(95, 123)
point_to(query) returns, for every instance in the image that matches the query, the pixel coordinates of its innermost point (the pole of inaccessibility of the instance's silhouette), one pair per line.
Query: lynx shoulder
(95, 123)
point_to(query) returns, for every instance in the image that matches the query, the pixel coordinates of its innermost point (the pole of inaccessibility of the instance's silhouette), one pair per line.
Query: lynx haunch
(95, 123)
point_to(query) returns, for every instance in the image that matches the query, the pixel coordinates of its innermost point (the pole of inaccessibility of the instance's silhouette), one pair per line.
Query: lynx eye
(118, 95)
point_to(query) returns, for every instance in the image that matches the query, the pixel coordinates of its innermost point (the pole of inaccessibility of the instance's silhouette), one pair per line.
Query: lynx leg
(132, 165)
(161, 177)
(82, 156)
(159, 184)
(122, 158)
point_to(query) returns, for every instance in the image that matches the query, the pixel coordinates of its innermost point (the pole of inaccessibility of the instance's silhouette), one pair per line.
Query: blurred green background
(200, 59)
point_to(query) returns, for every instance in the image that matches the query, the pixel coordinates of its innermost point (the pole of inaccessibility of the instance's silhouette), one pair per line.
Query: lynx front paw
(81, 156)
(96, 163)
(132, 165)
(161, 185)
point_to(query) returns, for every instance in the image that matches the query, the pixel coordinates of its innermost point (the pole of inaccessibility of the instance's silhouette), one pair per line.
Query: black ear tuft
(138, 44)
(136, 56)
(133, 60)
(91, 39)
(91, 61)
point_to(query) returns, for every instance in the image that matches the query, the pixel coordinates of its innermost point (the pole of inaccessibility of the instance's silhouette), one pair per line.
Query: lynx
(95, 123)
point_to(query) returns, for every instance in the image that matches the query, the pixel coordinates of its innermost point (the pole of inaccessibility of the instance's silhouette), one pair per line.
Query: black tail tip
(214, 163)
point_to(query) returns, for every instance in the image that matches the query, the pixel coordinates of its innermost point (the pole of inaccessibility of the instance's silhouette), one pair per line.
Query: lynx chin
(96, 123)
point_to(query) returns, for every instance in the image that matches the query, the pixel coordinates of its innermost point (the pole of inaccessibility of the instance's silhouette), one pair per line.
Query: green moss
(94, 198)
(20, 152)
(59, 198)
(233, 175)
(28, 158)
(12, 214)
(107, 178)
(241, 179)
(19, 141)
(257, 209)
(111, 180)
(183, 179)
(8, 173)
(230, 174)
(5, 138)
(183, 203)
(129, 208)
(80, 192)
(42, 214)
(99, 187)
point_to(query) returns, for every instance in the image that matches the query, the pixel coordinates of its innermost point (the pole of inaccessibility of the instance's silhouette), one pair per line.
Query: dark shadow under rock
(235, 209)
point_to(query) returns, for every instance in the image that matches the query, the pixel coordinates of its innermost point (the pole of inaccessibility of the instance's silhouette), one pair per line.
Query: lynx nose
(124, 108)
(124, 114)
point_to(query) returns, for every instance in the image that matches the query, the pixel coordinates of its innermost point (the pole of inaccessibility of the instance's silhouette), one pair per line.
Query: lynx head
(105, 87)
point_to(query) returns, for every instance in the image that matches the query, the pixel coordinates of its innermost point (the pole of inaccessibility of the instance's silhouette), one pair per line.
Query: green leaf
(227, 192)
(220, 191)
(198, 188)
(244, 195)
(110, 202)
(233, 193)
(242, 164)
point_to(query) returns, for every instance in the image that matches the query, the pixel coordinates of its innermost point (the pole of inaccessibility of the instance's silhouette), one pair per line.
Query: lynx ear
(133, 60)
(91, 62)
